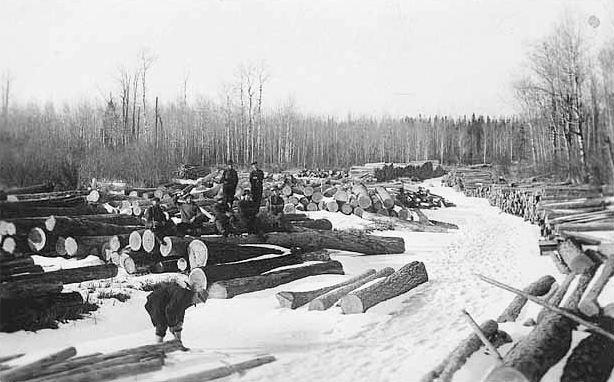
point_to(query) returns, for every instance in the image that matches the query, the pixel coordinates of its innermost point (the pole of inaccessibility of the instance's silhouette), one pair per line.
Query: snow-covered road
(398, 340)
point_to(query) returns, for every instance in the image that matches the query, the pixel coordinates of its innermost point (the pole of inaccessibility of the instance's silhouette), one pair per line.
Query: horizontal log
(36, 188)
(234, 287)
(223, 371)
(24, 372)
(72, 275)
(538, 288)
(28, 289)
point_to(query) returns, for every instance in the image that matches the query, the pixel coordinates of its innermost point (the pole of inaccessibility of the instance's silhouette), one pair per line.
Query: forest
(564, 127)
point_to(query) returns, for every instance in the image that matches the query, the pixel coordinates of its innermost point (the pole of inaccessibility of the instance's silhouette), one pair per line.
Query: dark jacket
(155, 214)
(188, 211)
(248, 209)
(230, 178)
(256, 178)
(167, 304)
(276, 204)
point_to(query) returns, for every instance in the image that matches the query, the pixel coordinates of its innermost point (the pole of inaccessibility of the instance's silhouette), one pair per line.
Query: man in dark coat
(191, 215)
(155, 218)
(167, 304)
(222, 218)
(248, 209)
(256, 179)
(229, 183)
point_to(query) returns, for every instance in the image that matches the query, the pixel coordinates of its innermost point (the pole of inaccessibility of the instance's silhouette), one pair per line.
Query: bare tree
(146, 60)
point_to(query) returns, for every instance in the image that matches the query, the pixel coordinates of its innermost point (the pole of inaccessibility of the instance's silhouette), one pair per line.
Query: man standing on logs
(256, 179)
(191, 215)
(167, 304)
(229, 183)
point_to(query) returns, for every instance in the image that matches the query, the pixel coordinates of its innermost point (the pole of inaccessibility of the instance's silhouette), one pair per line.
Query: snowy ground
(398, 340)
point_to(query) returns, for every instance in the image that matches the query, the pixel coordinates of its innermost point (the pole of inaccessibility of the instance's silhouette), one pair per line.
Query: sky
(330, 57)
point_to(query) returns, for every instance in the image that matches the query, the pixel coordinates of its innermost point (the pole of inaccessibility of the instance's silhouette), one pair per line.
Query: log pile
(65, 366)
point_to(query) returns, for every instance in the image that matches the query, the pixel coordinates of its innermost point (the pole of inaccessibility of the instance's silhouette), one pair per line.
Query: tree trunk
(9, 273)
(537, 288)
(223, 371)
(329, 298)
(72, 275)
(384, 195)
(363, 198)
(234, 287)
(458, 357)
(68, 226)
(28, 289)
(313, 240)
(218, 272)
(295, 300)
(113, 372)
(545, 345)
(405, 279)
(591, 360)
(23, 372)
(37, 188)
(87, 209)
(217, 252)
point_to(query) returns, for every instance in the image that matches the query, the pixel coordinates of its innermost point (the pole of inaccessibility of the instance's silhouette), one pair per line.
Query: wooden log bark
(313, 240)
(17, 290)
(36, 188)
(24, 372)
(458, 357)
(114, 372)
(218, 272)
(589, 305)
(88, 209)
(545, 345)
(173, 265)
(402, 281)
(537, 288)
(81, 246)
(329, 298)
(139, 262)
(223, 371)
(72, 275)
(10, 273)
(295, 300)
(574, 257)
(404, 224)
(591, 360)
(362, 196)
(323, 224)
(217, 252)
(69, 226)
(385, 197)
(234, 287)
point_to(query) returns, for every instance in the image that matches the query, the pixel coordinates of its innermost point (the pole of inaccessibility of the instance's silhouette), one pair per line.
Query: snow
(400, 339)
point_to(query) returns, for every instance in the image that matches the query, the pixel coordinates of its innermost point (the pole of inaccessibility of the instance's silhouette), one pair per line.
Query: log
(16, 263)
(402, 281)
(404, 224)
(332, 206)
(221, 253)
(329, 298)
(8, 274)
(346, 209)
(223, 371)
(574, 257)
(17, 290)
(173, 265)
(218, 272)
(589, 305)
(317, 197)
(82, 246)
(537, 288)
(362, 196)
(295, 300)
(60, 201)
(24, 372)
(313, 240)
(385, 197)
(135, 240)
(149, 241)
(558, 296)
(545, 345)
(458, 357)
(72, 275)
(139, 262)
(114, 372)
(591, 360)
(11, 357)
(234, 287)
(69, 226)
(341, 196)
(36, 188)
(89, 209)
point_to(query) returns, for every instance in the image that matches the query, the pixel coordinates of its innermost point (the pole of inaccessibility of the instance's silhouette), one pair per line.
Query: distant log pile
(427, 170)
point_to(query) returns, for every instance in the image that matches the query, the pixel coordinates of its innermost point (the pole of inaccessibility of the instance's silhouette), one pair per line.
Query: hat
(254, 163)
(230, 161)
(246, 192)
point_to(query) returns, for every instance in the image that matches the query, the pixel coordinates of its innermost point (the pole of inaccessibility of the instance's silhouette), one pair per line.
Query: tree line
(565, 127)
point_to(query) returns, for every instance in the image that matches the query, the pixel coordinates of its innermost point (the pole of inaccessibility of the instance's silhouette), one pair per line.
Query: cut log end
(9, 245)
(70, 246)
(166, 246)
(182, 264)
(50, 223)
(135, 241)
(198, 254)
(37, 239)
(285, 299)
(149, 241)
(351, 304)
(505, 374)
(198, 280)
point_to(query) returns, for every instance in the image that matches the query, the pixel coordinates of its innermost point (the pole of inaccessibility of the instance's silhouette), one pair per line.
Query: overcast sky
(395, 57)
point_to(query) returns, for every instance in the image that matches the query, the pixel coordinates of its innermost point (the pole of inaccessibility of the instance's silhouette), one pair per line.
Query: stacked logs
(66, 366)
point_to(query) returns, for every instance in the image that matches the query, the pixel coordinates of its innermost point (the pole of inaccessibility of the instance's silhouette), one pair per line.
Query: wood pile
(427, 170)
(65, 365)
